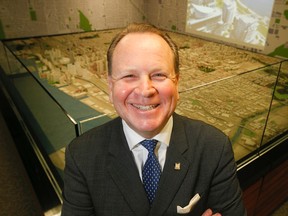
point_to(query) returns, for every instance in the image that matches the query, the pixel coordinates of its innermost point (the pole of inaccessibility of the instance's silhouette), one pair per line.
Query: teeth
(150, 107)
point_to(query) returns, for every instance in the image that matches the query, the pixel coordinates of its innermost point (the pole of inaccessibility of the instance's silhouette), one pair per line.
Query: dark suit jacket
(101, 177)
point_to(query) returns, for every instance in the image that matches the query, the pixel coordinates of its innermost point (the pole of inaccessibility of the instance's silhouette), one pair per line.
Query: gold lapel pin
(177, 166)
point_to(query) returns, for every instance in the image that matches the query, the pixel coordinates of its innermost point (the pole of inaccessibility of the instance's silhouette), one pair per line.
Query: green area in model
(84, 22)
(281, 93)
(33, 15)
(286, 14)
(280, 51)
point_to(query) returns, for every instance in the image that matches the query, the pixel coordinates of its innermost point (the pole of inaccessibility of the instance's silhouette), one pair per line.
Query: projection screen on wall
(241, 22)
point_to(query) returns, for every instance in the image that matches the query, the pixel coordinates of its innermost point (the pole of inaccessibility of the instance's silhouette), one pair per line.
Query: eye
(159, 76)
(128, 76)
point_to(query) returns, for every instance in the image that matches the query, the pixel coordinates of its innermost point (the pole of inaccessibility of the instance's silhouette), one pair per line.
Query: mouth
(146, 107)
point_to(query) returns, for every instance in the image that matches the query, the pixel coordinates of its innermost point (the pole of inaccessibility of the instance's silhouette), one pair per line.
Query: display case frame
(218, 84)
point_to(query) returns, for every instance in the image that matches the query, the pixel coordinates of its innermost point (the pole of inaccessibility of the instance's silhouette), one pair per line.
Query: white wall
(24, 18)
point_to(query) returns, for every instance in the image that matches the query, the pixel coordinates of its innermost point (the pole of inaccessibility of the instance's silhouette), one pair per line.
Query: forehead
(138, 49)
(145, 52)
(140, 40)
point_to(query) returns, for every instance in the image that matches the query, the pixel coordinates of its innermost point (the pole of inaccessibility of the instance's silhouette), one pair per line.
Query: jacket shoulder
(97, 137)
(197, 126)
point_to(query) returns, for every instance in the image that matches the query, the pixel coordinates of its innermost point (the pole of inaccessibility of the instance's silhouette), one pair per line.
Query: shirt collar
(133, 138)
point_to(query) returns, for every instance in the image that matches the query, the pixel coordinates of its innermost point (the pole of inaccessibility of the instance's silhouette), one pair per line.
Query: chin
(151, 128)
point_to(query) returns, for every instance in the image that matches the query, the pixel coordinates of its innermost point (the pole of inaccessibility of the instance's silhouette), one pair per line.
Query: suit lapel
(125, 174)
(172, 177)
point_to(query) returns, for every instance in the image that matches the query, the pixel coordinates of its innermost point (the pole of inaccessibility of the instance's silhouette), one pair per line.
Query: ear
(110, 83)
(177, 85)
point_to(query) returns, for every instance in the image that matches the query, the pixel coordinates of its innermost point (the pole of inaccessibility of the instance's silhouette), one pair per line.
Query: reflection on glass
(278, 121)
(238, 106)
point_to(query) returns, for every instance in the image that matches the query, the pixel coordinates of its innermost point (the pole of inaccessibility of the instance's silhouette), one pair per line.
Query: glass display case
(58, 87)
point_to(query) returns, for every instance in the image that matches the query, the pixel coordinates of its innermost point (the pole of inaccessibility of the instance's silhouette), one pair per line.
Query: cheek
(170, 92)
(121, 92)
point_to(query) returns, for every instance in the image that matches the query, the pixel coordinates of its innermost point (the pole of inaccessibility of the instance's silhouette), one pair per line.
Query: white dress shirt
(140, 153)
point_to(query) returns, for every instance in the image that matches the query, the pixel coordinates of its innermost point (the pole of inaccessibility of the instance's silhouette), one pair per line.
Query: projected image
(242, 22)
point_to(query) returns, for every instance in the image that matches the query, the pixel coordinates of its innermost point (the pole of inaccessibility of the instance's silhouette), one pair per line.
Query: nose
(145, 87)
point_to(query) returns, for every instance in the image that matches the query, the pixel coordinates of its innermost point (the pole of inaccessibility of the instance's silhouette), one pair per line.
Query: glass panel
(72, 69)
(3, 58)
(277, 124)
(60, 86)
(46, 120)
(237, 105)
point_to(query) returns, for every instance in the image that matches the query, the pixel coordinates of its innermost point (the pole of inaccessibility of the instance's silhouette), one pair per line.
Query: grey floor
(17, 196)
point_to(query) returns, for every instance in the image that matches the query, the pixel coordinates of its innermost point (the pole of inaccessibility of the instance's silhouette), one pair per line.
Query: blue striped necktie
(151, 171)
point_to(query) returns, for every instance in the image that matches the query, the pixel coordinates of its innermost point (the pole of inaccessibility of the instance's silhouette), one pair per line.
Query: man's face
(143, 85)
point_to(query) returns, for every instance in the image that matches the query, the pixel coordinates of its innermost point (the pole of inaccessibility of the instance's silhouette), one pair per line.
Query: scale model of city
(229, 88)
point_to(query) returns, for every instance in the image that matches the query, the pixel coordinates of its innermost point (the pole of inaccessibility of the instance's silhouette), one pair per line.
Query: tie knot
(149, 144)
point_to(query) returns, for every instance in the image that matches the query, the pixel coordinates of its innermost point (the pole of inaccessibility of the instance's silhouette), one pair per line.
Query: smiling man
(143, 82)
(149, 160)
